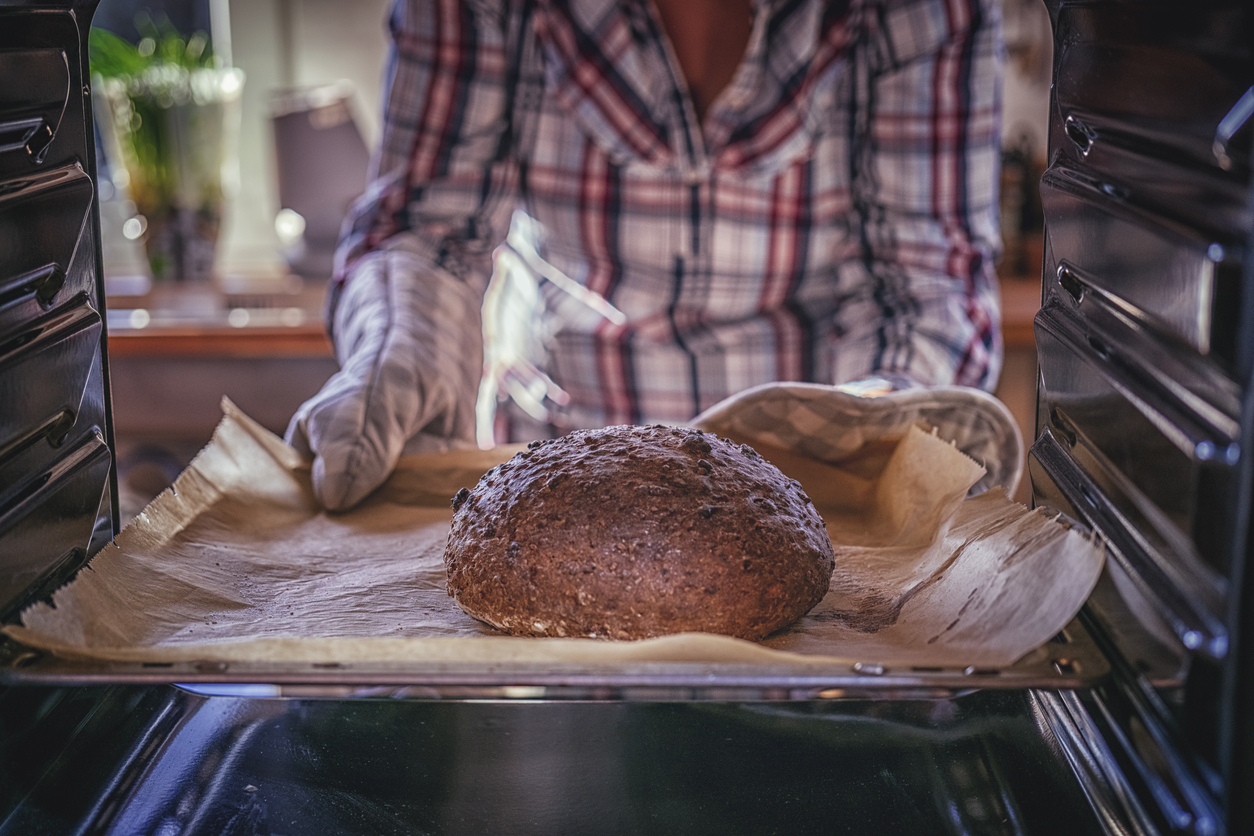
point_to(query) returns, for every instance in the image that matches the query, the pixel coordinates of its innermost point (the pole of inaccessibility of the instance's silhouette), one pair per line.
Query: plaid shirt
(833, 218)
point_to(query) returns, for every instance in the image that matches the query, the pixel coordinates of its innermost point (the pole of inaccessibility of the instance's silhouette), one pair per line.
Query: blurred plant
(167, 103)
(115, 57)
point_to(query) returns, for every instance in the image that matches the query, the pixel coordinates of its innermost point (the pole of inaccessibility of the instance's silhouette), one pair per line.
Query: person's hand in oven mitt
(403, 387)
(829, 423)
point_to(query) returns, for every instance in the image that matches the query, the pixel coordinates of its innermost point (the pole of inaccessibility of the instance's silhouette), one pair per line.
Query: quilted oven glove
(409, 372)
(828, 423)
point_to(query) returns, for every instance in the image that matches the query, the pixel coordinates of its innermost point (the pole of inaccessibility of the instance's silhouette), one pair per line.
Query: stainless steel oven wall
(56, 498)
(1143, 419)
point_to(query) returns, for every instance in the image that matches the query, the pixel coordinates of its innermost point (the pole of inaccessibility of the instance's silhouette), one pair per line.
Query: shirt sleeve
(443, 176)
(926, 170)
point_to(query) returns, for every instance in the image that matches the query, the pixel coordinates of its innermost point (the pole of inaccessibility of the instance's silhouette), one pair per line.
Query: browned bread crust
(632, 532)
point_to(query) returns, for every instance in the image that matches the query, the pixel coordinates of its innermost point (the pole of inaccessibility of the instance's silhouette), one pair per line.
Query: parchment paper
(237, 562)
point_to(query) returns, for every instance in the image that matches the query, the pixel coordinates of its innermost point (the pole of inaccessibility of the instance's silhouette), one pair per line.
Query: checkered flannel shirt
(833, 218)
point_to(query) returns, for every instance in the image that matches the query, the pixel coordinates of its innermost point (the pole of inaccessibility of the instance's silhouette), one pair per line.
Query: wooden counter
(306, 340)
(1021, 299)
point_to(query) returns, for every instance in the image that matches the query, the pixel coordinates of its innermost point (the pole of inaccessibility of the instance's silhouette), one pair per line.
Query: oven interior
(1145, 343)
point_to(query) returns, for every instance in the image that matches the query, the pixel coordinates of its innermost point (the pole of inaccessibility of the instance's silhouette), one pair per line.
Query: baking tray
(1072, 659)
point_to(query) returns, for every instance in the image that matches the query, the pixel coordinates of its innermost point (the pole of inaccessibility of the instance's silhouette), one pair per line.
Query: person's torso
(720, 243)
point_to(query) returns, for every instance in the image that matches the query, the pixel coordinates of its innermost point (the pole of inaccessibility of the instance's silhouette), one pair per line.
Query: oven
(1145, 341)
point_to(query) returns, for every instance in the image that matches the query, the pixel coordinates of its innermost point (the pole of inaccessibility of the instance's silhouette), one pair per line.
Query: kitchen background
(299, 132)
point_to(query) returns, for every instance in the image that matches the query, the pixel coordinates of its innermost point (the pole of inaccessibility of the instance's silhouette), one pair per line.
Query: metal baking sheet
(238, 550)
(1071, 660)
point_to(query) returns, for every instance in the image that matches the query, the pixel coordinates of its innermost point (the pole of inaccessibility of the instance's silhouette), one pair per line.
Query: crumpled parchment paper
(237, 562)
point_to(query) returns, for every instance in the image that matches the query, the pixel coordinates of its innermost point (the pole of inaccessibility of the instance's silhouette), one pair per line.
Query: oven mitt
(829, 423)
(406, 338)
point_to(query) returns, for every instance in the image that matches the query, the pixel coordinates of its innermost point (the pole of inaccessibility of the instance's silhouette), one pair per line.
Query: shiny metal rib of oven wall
(57, 481)
(1144, 406)
(1083, 729)
(1060, 716)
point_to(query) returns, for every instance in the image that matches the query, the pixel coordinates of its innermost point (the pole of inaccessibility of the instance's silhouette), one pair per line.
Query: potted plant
(170, 118)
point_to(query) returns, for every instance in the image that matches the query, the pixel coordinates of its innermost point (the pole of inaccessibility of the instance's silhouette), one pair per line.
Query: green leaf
(112, 56)
(115, 57)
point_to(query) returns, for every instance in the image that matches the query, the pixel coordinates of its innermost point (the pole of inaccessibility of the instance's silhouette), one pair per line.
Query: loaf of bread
(632, 532)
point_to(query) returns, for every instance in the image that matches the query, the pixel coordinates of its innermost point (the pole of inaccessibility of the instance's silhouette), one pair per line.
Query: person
(758, 190)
